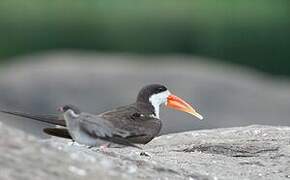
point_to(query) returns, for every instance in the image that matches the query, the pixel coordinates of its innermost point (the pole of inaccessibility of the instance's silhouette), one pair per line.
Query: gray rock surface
(226, 95)
(253, 152)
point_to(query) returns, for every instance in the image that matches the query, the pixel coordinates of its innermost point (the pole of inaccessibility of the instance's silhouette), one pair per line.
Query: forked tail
(50, 119)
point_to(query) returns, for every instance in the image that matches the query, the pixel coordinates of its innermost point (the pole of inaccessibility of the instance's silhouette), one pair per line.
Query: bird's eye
(160, 89)
(135, 115)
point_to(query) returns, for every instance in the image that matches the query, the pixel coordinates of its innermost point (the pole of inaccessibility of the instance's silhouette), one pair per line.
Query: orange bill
(177, 103)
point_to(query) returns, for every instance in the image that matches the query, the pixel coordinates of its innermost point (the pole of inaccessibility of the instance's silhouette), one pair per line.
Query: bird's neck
(147, 108)
(156, 110)
(70, 117)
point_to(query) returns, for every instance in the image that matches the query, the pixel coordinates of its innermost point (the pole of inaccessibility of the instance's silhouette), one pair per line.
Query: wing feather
(98, 127)
(50, 119)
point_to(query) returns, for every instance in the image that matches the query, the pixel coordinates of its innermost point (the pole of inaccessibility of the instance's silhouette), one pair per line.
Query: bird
(91, 130)
(141, 118)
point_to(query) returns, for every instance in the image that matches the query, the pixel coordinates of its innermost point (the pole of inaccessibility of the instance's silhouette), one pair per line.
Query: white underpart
(157, 100)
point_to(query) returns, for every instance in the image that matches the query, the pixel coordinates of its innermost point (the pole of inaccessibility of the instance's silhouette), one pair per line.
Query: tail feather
(50, 119)
(58, 132)
(63, 133)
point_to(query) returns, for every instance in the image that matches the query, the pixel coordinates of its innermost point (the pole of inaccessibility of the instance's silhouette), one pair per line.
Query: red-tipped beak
(177, 103)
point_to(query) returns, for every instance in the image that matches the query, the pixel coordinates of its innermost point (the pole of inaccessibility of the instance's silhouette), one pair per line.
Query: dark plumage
(92, 130)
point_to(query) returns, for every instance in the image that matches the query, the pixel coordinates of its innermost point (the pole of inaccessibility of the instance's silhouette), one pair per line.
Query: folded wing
(98, 127)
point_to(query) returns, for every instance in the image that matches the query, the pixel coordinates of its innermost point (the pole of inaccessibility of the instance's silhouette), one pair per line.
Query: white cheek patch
(158, 99)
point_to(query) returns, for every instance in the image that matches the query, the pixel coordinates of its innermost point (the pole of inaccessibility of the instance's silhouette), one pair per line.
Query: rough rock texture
(254, 152)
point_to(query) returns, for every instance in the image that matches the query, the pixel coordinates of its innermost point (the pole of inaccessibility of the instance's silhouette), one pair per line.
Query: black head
(65, 108)
(146, 92)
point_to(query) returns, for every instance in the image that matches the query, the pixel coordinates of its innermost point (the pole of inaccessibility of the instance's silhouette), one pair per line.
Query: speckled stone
(253, 152)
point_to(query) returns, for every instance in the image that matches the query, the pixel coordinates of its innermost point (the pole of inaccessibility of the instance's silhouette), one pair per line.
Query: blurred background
(230, 59)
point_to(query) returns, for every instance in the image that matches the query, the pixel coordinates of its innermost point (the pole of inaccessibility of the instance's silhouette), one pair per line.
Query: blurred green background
(255, 33)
